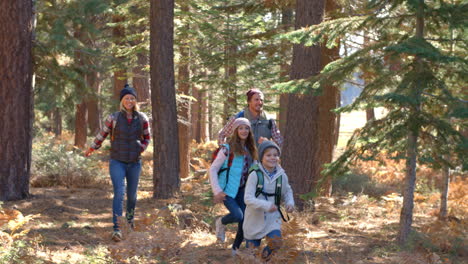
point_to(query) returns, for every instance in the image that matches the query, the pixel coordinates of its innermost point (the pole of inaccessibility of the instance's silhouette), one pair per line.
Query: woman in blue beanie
(130, 136)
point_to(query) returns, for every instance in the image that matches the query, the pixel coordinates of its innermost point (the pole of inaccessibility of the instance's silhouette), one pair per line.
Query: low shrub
(57, 162)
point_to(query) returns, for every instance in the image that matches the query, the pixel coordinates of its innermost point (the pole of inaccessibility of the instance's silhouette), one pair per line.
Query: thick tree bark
(302, 137)
(166, 145)
(141, 78)
(16, 75)
(406, 216)
(329, 100)
(184, 104)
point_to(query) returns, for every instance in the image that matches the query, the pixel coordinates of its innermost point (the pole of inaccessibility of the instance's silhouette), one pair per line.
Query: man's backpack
(241, 114)
(226, 168)
(259, 188)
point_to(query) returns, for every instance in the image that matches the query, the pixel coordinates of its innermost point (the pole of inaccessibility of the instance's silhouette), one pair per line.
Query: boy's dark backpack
(226, 168)
(259, 188)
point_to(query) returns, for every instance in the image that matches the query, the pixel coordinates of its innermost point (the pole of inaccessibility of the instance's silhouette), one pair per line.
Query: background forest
(370, 97)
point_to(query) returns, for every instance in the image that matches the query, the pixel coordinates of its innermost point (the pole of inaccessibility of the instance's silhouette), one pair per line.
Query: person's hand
(88, 152)
(219, 197)
(289, 208)
(261, 139)
(272, 208)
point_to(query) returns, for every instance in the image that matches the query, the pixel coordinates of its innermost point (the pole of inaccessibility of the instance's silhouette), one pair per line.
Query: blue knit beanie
(127, 90)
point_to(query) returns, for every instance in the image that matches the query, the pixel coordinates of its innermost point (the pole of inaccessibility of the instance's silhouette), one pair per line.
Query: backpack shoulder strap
(240, 114)
(115, 118)
(260, 180)
(279, 183)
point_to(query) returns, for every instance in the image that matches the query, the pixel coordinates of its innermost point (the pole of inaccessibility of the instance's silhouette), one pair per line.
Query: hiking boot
(117, 236)
(220, 230)
(233, 252)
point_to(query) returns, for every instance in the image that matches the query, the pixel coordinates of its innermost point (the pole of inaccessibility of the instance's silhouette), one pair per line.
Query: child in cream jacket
(262, 217)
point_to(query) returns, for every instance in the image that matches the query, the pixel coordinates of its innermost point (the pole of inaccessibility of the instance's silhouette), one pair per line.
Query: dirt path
(75, 226)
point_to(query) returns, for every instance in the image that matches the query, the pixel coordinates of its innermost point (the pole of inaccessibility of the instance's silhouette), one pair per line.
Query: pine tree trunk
(230, 72)
(406, 216)
(81, 125)
(204, 117)
(329, 100)
(286, 22)
(92, 104)
(370, 114)
(211, 117)
(166, 145)
(120, 76)
(302, 136)
(195, 112)
(57, 122)
(141, 78)
(16, 75)
(184, 106)
(444, 193)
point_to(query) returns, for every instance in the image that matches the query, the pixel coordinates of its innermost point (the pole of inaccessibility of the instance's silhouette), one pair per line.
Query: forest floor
(73, 225)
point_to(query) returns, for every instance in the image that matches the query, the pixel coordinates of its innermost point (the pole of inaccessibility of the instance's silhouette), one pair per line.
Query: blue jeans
(275, 235)
(236, 207)
(119, 171)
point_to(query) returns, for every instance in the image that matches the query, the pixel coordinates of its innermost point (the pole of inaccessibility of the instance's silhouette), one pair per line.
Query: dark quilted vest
(125, 145)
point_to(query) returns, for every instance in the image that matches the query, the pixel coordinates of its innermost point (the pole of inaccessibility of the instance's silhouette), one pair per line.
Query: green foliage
(419, 80)
(58, 163)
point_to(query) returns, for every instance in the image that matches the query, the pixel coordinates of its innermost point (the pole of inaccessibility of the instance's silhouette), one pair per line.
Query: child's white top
(258, 222)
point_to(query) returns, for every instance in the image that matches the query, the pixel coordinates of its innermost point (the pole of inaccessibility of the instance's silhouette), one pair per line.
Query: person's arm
(146, 133)
(226, 131)
(215, 166)
(249, 196)
(101, 136)
(276, 135)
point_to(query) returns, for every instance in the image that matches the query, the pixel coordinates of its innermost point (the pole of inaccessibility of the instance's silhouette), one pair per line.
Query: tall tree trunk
(444, 193)
(120, 75)
(184, 104)
(329, 100)
(81, 116)
(406, 216)
(286, 22)
(370, 114)
(230, 72)
(211, 131)
(81, 124)
(141, 78)
(57, 122)
(195, 114)
(16, 75)
(302, 137)
(166, 147)
(92, 104)
(204, 117)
